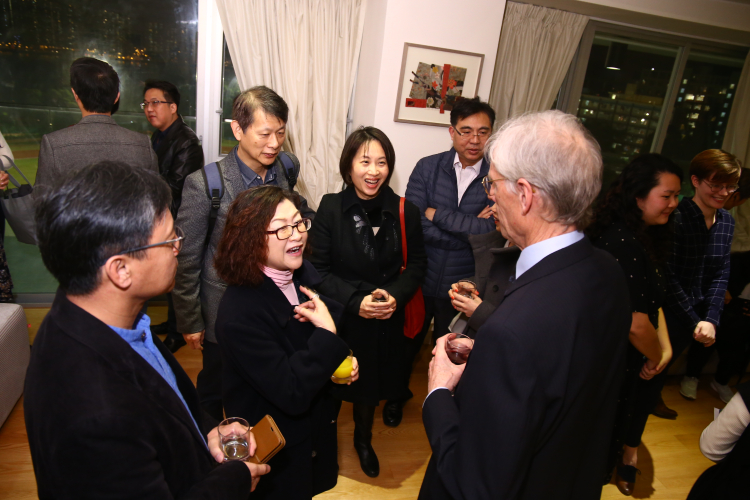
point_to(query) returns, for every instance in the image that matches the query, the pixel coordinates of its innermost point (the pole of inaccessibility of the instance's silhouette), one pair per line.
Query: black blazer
(532, 415)
(102, 423)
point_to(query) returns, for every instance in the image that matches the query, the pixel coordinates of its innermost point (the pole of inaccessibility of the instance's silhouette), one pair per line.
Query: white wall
(471, 27)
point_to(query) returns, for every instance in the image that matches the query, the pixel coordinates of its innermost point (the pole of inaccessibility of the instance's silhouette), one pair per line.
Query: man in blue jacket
(447, 188)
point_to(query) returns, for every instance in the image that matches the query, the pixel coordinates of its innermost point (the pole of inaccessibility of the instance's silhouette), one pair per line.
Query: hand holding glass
(466, 288)
(343, 374)
(458, 347)
(234, 436)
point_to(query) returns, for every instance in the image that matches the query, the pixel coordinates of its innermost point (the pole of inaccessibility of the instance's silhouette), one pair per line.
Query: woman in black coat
(278, 356)
(356, 245)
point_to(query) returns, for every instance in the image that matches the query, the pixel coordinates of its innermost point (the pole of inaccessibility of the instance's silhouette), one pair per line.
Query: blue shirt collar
(248, 174)
(533, 254)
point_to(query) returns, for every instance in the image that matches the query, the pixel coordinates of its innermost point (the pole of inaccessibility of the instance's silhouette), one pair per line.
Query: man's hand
(463, 304)
(4, 179)
(442, 372)
(486, 213)
(371, 309)
(195, 340)
(256, 470)
(429, 213)
(705, 333)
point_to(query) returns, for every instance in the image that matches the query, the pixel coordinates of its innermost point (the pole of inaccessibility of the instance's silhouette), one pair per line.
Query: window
(38, 41)
(229, 90)
(640, 92)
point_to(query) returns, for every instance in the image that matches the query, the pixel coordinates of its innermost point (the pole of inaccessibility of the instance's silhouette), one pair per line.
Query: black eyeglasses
(469, 133)
(146, 104)
(175, 242)
(716, 188)
(285, 232)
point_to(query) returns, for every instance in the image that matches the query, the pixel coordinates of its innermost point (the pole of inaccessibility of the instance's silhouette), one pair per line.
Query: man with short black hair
(96, 89)
(180, 154)
(109, 412)
(259, 118)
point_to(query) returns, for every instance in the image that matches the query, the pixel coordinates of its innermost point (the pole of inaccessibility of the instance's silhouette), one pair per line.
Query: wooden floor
(669, 458)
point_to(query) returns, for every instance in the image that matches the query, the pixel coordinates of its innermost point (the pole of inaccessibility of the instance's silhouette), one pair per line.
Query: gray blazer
(94, 138)
(198, 288)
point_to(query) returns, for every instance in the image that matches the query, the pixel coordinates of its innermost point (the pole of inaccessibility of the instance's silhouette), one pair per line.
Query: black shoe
(160, 329)
(174, 343)
(368, 460)
(392, 413)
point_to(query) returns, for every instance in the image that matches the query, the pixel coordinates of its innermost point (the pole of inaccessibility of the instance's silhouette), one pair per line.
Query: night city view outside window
(229, 90)
(623, 95)
(39, 39)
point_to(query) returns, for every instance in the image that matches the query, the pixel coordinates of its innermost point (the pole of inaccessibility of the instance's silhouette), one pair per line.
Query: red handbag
(415, 307)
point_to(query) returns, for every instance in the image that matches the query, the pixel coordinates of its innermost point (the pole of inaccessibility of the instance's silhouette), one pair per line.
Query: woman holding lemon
(278, 340)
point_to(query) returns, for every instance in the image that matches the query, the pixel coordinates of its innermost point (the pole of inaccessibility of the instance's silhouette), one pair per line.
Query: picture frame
(431, 80)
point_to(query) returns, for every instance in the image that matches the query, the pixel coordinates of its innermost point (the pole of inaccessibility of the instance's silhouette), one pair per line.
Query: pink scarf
(283, 280)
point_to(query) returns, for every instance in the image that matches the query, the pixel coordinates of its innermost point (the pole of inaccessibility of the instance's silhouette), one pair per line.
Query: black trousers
(733, 341)
(209, 381)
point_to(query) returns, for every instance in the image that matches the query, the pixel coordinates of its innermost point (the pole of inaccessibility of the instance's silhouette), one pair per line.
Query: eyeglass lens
(285, 232)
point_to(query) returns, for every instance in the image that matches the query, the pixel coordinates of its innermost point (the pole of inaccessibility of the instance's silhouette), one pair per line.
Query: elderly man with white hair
(530, 415)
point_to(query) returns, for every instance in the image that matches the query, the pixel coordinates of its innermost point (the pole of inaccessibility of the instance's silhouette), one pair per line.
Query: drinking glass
(343, 374)
(233, 433)
(380, 296)
(466, 288)
(458, 347)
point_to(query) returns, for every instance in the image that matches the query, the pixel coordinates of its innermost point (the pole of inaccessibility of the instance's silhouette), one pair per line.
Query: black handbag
(18, 204)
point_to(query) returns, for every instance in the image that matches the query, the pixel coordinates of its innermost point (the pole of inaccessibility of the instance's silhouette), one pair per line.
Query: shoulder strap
(292, 170)
(403, 231)
(215, 192)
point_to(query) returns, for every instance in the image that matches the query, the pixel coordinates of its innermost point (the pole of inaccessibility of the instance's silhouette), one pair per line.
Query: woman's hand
(314, 311)
(463, 304)
(355, 371)
(371, 309)
(195, 340)
(4, 179)
(705, 333)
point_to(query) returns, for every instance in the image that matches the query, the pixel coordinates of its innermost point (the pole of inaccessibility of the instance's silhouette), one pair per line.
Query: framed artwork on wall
(432, 80)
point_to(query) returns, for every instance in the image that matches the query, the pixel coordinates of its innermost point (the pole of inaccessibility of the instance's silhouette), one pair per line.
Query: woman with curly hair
(278, 341)
(632, 223)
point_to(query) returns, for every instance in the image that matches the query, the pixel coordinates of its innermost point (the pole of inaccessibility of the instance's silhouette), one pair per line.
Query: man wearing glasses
(259, 118)
(447, 188)
(96, 90)
(109, 411)
(180, 154)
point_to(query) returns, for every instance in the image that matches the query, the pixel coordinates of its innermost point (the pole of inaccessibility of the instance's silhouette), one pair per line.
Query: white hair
(557, 155)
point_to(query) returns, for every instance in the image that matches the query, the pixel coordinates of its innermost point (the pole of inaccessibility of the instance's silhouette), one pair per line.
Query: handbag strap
(403, 231)
(12, 164)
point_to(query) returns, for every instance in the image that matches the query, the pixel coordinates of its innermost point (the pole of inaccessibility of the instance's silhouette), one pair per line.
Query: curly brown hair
(243, 248)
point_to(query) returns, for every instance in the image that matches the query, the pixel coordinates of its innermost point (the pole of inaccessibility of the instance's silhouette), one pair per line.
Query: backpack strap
(215, 192)
(292, 170)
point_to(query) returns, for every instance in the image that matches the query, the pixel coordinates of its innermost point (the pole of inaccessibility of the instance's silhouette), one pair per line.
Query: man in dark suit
(96, 89)
(109, 411)
(259, 118)
(534, 405)
(180, 154)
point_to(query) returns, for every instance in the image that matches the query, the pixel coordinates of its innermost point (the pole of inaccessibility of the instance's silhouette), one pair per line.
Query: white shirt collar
(457, 164)
(531, 255)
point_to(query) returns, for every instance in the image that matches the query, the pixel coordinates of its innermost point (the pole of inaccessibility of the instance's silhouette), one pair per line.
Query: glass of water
(234, 434)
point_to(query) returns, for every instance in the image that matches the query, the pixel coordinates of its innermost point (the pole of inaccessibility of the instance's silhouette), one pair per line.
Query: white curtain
(536, 47)
(736, 139)
(307, 51)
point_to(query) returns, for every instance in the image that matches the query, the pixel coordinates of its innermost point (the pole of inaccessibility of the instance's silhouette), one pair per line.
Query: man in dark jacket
(180, 154)
(447, 188)
(109, 412)
(534, 405)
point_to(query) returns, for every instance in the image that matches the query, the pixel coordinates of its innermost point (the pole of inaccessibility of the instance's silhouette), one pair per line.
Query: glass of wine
(458, 347)
(233, 433)
(466, 288)
(380, 296)
(343, 373)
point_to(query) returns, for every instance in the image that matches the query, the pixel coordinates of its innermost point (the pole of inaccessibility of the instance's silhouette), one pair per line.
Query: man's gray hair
(557, 155)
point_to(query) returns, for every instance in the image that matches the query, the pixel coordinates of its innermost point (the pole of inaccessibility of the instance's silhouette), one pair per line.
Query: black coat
(532, 415)
(102, 423)
(275, 365)
(346, 255)
(179, 154)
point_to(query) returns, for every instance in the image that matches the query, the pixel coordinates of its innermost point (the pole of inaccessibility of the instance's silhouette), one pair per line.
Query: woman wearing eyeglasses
(699, 267)
(356, 247)
(278, 340)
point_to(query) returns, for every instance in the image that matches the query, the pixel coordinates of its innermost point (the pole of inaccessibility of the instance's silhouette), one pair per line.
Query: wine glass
(233, 433)
(380, 296)
(343, 374)
(458, 347)
(466, 288)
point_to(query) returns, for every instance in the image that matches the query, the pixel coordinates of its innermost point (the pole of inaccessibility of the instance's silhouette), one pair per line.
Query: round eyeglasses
(716, 188)
(285, 232)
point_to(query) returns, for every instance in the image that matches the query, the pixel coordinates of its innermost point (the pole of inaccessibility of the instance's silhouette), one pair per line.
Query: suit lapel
(234, 184)
(128, 364)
